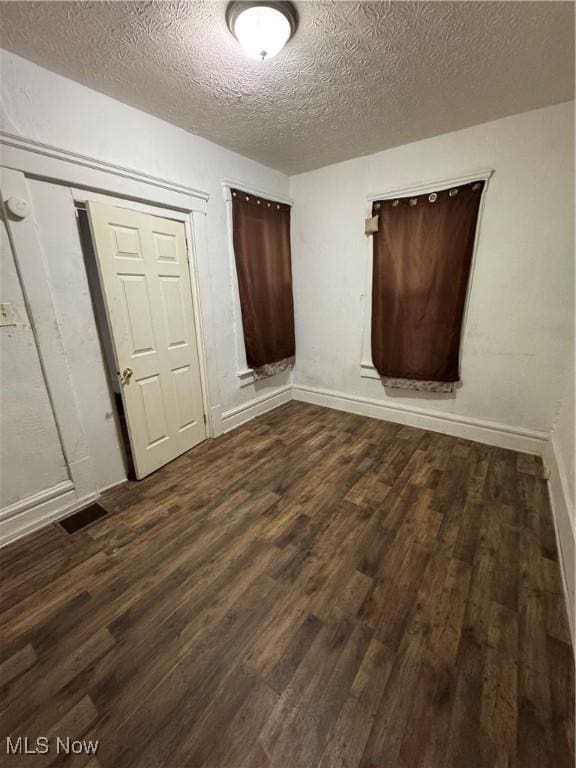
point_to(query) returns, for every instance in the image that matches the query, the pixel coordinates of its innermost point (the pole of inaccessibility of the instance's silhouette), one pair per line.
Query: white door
(143, 267)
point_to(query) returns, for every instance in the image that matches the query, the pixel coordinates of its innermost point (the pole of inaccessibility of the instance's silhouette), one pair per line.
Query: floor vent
(83, 518)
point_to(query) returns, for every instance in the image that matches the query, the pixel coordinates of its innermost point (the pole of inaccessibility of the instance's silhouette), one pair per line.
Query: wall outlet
(8, 315)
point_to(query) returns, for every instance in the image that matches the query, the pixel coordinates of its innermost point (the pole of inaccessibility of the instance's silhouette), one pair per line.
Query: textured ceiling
(357, 77)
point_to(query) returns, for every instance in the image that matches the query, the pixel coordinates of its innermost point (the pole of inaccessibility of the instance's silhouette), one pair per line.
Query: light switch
(8, 315)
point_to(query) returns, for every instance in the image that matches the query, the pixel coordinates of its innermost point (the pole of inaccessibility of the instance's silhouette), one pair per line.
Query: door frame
(83, 196)
(23, 159)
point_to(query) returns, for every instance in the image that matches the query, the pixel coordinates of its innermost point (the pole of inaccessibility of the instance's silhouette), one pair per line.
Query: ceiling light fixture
(261, 28)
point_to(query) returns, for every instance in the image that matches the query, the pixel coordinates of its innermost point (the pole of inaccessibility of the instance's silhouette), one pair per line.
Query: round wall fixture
(18, 207)
(261, 28)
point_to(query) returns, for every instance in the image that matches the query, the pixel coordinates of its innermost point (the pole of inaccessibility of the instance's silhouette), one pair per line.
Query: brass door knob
(126, 375)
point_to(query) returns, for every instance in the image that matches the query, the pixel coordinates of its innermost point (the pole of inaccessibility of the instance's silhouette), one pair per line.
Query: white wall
(56, 224)
(42, 106)
(519, 326)
(31, 457)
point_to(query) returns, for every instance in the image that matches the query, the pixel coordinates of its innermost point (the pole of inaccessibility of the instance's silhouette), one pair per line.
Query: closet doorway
(144, 276)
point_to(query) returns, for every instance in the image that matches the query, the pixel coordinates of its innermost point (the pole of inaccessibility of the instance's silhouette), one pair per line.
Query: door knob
(126, 375)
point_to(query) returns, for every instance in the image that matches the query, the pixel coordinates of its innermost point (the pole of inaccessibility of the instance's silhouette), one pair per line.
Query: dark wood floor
(312, 590)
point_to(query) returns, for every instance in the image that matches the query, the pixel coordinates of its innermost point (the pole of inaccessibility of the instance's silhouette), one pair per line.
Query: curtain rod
(432, 186)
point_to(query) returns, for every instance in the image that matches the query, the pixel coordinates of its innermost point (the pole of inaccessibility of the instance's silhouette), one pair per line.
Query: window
(420, 266)
(261, 266)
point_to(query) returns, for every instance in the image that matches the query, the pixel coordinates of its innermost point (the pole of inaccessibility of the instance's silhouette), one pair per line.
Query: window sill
(246, 377)
(367, 371)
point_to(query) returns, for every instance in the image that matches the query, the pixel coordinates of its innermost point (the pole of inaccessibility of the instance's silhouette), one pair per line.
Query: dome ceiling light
(261, 28)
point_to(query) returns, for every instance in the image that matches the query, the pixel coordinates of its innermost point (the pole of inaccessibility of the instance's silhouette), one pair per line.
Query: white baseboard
(563, 514)
(259, 405)
(34, 512)
(490, 433)
(53, 494)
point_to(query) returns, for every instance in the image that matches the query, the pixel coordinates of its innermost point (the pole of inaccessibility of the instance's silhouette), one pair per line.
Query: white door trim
(228, 184)
(49, 162)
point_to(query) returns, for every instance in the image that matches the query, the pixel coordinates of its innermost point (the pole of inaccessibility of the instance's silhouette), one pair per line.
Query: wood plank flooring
(312, 590)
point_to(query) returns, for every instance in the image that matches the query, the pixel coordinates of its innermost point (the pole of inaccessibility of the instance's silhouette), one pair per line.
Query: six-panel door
(145, 277)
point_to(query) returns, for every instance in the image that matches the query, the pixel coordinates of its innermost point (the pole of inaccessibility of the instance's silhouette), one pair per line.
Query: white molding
(563, 516)
(366, 351)
(82, 195)
(49, 159)
(35, 282)
(247, 411)
(23, 505)
(228, 184)
(39, 510)
(367, 370)
(43, 508)
(246, 377)
(478, 430)
(203, 312)
(243, 372)
(435, 185)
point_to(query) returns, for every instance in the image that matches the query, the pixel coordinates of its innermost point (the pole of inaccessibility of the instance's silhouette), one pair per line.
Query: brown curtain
(422, 256)
(262, 249)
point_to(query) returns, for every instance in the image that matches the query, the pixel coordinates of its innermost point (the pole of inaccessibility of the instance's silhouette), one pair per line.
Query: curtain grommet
(414, 201)
(453, 192)
(433, 197)
(396, 203)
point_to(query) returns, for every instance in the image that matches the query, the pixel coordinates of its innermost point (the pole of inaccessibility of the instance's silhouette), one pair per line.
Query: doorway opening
(139, 275)
(104, 334)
